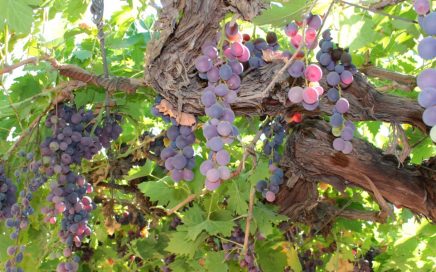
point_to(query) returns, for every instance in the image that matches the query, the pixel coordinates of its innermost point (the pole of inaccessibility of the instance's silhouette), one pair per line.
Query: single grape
(315, 22)
(422, 6)
(347, 133)
(310, 35)
(291, 29)
(234, 82)
(347, 77)
(224, 128)
(213, 175)
(427, 97)
(333, 94)
(429, 23)
(295, 94)
(296, 69)
(427, 47)
(348, 147)
(427, 79)
(333, 78)
(221, 90)
(222, 157)
(433, 134)
(429, 116)
(203, 64)
(206, 166)
(225, 173)
(270, 196)
(310, 107)
(339, 144)
(213, 75)
(261, 185)
(313, 73)
(215, 144)
(214, 111)
(210, 51)
(225, 72)
(342, 105)
(325, 59)
(310, 95)
(237, 48)
(336, 120)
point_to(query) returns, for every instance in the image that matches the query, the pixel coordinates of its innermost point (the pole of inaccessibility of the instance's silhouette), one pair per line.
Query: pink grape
(427, 79)
(237, 49)
(295, 94)
(310, 95)
(231, 30)
(427, 97)
(270, 196)
(429, 116)
(225, 173)
(339, 144)
(291, 29)
(203, 64)
(310, 35)
(347, 77)
(228, 54)
(319, 90)
(206, 166)
(245, 55)
(429, 23)
(427, 48)
(342, 105)
(348, 147)
(422, 6)
(296, 40)
(313, 73)
(213, 175)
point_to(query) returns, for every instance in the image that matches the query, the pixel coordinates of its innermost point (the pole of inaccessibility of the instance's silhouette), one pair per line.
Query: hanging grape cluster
(274, 135)
(224, 80)
(8, 195)
(234, 253)
(75, 137)
(427, 79)
(339, 62)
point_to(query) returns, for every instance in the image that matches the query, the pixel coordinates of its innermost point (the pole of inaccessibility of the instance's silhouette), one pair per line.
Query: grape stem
(181, 204)
(247, 225)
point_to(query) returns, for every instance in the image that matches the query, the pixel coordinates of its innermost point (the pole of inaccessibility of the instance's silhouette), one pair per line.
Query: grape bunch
(223, 85)
(110, 130)
(307, 39)
(427, 79)
(179, 155)
(73, 139)
(8, 194)
(32, 179)
(274, 136)
(258, 46)
(308, 96)
(339, 62)
(233, 252)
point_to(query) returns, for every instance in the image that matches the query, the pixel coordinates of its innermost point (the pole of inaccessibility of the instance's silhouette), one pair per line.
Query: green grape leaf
(265, 217)
(163, 191)
(270, 258)
(178, 244)
(212, 227)
(215, 262)
(17, 14)
(281, 14)
(238, 191)
(142, 171)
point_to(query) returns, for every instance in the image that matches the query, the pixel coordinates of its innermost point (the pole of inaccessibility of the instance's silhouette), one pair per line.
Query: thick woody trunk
(185, 25)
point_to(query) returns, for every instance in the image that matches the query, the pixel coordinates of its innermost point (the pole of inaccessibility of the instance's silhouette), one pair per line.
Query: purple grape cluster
(233, 252)
(223, 85)
(110, 130)
(274, 134)
(73, 140)
(20, 211)
(339, 62)
(258, 46)
(427, 79)
(336, 60)
(8, 195)
(179, 155)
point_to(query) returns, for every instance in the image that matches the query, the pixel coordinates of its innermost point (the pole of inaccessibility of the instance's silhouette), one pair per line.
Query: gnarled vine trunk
(185, 25)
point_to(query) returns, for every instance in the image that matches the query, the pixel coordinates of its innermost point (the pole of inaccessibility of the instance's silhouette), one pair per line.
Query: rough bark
(171, 70)
(309, 158)
(185, 25)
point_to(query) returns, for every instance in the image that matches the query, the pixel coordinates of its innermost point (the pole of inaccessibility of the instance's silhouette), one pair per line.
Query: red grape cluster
(73, 140)
(179, 155)
(339, 62)
(307, 95)
(274, 134)
(233, 253)
(224, 80)
(8, 194)
(427, 79)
